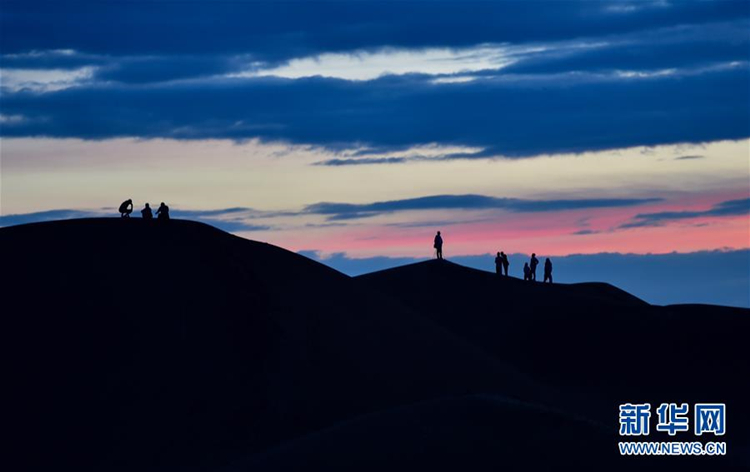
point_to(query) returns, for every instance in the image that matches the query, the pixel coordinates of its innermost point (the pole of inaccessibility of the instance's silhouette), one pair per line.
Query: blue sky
(359, 128)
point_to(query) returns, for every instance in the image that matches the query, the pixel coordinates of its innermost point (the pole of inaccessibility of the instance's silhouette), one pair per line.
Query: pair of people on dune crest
(501, 263)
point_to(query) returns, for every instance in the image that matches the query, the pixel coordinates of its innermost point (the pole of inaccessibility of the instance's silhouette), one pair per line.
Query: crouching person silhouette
(126, 208)
(146, 213)
(526, 271)
(163, 212)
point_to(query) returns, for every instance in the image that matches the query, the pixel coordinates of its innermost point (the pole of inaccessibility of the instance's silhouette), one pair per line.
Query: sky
(613, 137)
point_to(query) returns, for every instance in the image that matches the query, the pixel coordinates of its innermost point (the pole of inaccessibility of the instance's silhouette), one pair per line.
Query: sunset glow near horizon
(618, 130)
(253, 192)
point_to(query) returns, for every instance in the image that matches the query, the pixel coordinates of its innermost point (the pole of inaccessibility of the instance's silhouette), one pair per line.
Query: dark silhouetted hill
(135, 345)
(590, 338)
(473, 432)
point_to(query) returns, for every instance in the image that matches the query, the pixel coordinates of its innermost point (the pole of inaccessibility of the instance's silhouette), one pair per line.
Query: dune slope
(135, 345)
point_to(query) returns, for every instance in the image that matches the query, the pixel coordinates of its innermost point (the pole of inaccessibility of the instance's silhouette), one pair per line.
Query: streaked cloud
(275, 32)
(344, 211)
(48, 215)
(11, 119)
(628, 7)
(432, 152)
(738, 207)
(585, 232)
(502, 118)
(43, 80)
(368, 65)
(493, 77)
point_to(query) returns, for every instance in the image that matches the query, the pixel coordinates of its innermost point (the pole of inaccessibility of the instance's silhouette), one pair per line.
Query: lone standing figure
(532, 265)
(438, 245)
(548, 270)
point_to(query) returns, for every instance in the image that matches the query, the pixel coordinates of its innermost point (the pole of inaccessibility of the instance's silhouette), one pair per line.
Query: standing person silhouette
(532, 266)
(506, 263)
(499, 264)
(126, 208)
(438, 245)
(548, 270)
(146, 213)
(526, 271)
(163, 212)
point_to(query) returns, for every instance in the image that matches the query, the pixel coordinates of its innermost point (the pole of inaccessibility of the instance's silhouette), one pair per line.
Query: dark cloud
(728, 208)
(281, 30)
(685, 46)
(235, 226)
(52, 59)
(506, 118)
(717, 277)
(330, 224)
(687, 158)
(158, 68)
(674, 48)
(490, 152)
(345, 211)
(214, 213)
(49, 215)
(236, 219)
(363, 161)
(436, 223)
(143, 70)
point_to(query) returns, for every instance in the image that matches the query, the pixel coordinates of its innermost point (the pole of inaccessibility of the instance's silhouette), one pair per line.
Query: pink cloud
(544, 233)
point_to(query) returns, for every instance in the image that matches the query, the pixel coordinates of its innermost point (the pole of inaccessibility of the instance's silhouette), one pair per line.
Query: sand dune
(137, 346)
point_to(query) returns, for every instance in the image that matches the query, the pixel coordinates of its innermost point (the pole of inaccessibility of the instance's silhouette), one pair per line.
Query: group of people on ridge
(126, 208)
(529, 269)
(502, 263)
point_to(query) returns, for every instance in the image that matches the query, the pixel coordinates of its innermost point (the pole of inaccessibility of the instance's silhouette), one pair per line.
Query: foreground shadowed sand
(136, 345)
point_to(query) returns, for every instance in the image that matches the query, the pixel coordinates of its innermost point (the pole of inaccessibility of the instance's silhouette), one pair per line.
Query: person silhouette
(526, 271)
(146, 213)
(163, 212)
(126, 208)
(548, 270)
(438, 245)
(506, 263)
(499, 264)
(532, 266)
